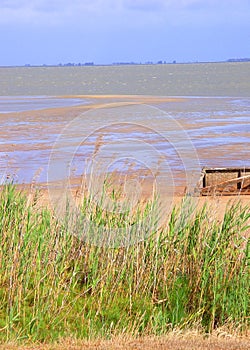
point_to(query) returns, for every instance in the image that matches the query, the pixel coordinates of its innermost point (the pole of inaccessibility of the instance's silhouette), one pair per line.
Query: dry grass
(172, 341)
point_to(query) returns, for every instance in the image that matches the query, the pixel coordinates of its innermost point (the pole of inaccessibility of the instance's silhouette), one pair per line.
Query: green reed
(56, 282)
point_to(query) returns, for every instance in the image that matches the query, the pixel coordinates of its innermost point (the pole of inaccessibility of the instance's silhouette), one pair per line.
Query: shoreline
(46, 195)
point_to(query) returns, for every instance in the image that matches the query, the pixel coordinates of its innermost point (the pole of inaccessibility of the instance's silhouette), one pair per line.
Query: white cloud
(40, 11)
(173, 5)
(144, 5)
(57, 11)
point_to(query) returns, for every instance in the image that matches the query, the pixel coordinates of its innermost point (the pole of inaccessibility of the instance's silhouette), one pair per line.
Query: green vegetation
(54, 284)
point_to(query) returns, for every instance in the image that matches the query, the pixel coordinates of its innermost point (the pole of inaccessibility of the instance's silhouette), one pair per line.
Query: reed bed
(191, 273)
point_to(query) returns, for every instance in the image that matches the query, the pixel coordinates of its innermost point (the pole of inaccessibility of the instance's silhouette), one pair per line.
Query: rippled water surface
(204, 79)
(10, 104)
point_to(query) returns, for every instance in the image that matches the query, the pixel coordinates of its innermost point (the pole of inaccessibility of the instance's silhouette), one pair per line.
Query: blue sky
(106, 31)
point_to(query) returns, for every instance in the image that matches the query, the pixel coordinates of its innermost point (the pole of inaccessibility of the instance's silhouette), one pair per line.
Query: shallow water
(218, 128)
(9, 104)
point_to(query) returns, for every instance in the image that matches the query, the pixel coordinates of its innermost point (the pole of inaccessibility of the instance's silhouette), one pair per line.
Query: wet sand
(28, 138)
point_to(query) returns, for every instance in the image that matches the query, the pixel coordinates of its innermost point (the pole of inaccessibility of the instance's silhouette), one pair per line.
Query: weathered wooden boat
(224, 181)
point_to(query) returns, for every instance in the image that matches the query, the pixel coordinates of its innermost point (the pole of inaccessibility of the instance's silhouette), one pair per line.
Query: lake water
(214, 113)
(204, 79)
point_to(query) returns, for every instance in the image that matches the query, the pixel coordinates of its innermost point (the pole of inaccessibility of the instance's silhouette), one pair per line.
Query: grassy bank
(54, 284)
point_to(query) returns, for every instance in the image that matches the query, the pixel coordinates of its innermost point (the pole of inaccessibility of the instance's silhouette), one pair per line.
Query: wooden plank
(214, 178)
(225, 181)
(221, 186)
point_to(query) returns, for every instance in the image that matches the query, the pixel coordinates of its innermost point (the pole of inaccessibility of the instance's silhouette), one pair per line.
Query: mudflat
(215, 129)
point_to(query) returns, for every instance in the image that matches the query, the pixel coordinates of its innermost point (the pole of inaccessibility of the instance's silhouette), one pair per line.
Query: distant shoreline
(92, 64)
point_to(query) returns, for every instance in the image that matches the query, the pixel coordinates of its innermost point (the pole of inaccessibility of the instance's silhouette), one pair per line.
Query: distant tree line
(136, 63)
(238, 60)
(70, 64)
(76, 64)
